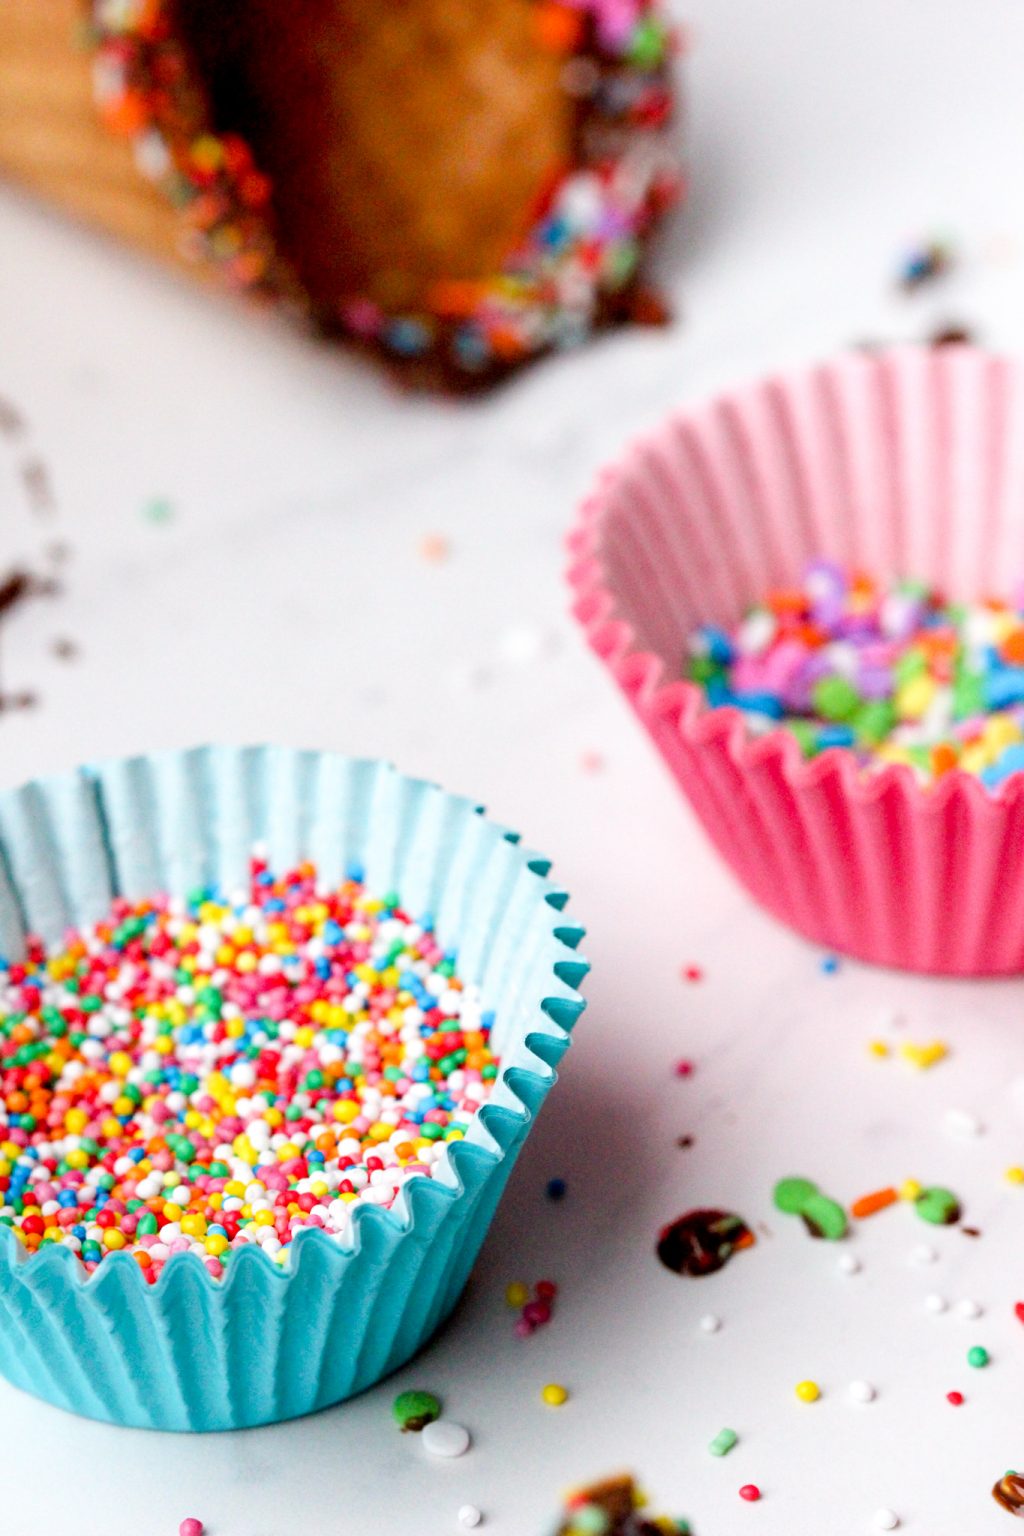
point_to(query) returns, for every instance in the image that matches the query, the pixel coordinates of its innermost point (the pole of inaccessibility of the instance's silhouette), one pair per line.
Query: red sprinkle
(751, 1492)
(956, 1398)
(684, 1068)
(692, 973)
(1019, 1309)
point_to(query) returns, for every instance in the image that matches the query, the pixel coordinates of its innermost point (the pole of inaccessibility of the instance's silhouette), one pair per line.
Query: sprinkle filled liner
(200, 1075)
(894, 673)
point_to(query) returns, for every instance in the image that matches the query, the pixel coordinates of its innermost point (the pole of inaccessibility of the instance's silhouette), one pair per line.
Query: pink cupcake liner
(905, 462)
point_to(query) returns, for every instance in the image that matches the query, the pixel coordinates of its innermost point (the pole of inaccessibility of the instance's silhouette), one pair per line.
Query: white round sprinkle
(935, 1303)
(886, 1519)
(924, 1253)
(961, 1122)
(968, 1308)
(445, 1438)
(710, 1323)
(848, 1264)
(470, 1517)
(862, 1391)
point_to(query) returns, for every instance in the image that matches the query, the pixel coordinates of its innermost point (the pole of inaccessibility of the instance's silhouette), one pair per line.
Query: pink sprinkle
(591, 761)
(684, 1068)
(190, 1527)
(692, 973)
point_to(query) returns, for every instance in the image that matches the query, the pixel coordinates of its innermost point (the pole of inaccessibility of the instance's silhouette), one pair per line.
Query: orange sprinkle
(557, 28)
(787, 600)
(1013, 648)
(943, 759)
(868, 1205)
(126, 115)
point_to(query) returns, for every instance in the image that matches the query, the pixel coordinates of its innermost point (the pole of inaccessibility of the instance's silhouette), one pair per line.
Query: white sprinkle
(924, 1253)
(444, 1437)
(968, 1308)
(848, 1264)
(935, 1303)
(886, 1519)
(862, 1391)
(470, 1517)
(522, 644)
(710, 1323)
(961, 1123)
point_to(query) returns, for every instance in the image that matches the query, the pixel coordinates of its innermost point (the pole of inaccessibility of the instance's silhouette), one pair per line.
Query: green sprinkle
(835, 698)
(791, 1195)
(415, 1410)
(825, 1218)
(723, 1442)
(939, 1206)
(158, 509)
(978, 1357)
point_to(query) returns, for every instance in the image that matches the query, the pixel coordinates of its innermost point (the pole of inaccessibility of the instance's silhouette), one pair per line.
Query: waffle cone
(407, 144)
(52, 141)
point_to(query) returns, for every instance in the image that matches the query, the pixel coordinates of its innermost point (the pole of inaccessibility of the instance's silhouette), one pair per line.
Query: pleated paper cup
(907, 462)
(264, 1344)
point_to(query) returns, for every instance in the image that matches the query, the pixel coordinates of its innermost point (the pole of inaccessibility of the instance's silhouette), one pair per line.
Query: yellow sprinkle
(878, 1048)
(554, 1394)
(910, 1189)
(923, 1056)
(517, 1294)
(913, 698)
(1015, 1175)
(808, 1391)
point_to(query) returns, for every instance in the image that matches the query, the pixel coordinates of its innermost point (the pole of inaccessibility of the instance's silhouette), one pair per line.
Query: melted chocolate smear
(616, 1500)
(1009, 1494)
(702, 1242)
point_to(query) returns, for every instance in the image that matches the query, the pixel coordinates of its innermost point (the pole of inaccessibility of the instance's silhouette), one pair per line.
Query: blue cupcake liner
(266, 1343)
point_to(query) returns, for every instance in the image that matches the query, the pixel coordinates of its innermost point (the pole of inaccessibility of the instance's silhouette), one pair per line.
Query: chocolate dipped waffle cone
(460, 184)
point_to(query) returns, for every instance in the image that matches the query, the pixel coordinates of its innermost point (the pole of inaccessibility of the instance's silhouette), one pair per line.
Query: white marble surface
(288, 599)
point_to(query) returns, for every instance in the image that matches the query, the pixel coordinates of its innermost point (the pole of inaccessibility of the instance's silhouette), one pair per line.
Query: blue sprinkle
(556, 1189)
(835, 736)
(760, 704)
(830, 964)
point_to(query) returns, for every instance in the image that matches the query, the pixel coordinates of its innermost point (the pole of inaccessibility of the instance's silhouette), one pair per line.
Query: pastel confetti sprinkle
(894, 673)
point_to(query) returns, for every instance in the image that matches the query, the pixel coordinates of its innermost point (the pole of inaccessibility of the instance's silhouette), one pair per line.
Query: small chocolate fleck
(971, 1231)
(65, 650)
(952, 336)
(37, 483)
(11, 420)
(685, 1141)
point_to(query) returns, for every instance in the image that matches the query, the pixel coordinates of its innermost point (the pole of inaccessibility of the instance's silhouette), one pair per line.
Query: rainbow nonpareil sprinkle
(196, 1076)
(894, 673)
